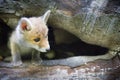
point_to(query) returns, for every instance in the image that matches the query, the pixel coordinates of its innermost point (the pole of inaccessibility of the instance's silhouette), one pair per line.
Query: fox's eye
(37, 39)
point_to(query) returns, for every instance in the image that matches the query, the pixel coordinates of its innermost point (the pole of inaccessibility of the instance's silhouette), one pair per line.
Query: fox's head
(35, 31)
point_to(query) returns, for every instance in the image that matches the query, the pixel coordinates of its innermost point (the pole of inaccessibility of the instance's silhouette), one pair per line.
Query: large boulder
(93, 21)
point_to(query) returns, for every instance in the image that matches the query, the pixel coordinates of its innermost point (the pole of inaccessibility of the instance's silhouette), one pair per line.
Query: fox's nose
(48, 49)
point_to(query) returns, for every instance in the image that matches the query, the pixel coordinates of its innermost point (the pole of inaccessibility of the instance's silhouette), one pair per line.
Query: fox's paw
(37, 63)
(16, 63)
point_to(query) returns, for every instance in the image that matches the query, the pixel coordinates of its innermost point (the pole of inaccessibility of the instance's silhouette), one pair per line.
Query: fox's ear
(25, 24)
(46, 16)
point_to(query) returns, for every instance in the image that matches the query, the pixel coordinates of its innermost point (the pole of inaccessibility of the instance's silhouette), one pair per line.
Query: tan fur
(39, 30)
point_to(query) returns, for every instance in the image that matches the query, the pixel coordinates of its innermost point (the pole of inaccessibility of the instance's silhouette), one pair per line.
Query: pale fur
(22, 41)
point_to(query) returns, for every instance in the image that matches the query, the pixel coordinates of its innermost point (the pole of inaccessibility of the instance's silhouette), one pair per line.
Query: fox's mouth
(42, 50)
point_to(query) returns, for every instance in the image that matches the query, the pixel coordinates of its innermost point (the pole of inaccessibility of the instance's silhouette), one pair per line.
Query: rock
(62, 37)
(95, 70)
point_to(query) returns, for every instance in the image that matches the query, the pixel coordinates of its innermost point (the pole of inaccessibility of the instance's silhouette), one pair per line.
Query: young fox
(30, 34)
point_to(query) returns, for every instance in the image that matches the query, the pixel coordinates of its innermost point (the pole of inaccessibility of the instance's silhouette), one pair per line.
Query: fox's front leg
(15, 52)
(36, 59)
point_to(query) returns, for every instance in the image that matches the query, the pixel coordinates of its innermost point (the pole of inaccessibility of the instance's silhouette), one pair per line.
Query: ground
(95, 70)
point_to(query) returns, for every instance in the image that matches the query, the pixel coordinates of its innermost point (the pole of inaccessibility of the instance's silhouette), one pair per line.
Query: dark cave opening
(5, 31)
(74, 48)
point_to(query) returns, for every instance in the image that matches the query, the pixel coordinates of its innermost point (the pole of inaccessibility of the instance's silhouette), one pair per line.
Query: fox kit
(30, 34)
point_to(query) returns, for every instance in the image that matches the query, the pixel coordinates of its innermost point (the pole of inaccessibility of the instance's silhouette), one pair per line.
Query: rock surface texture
(96, 70)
